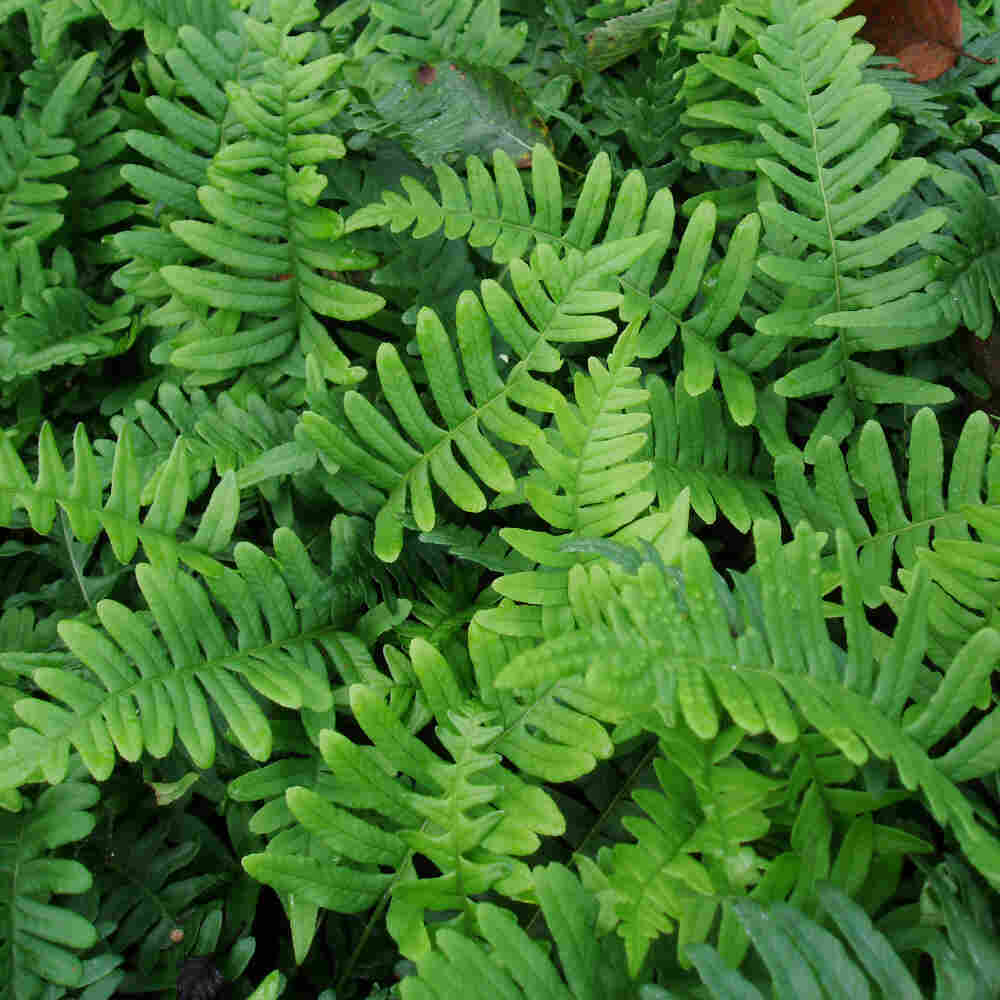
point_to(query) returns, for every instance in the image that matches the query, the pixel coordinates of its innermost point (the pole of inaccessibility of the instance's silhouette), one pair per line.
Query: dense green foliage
(513, 484)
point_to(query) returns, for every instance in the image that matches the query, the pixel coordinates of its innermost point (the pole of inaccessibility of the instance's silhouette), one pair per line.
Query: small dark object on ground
(199, 979)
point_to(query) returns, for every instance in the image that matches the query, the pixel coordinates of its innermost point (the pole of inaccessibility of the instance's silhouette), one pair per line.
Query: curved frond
(32, 147)
(670, 643)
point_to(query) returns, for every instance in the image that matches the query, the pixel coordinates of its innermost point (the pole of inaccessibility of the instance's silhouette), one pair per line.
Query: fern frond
(516, 967)
(493, 211)
(147, 686)
(496, 213)
(667, 643)
(40, 938)
(266, 297)
(428, 31)
(698, 448)
(88, 513)
(468, 818)
(553, 734)
(657, 883)
(836, 175)
(800, 955)
(161, 24)
(34, 147)
(367, 444)
(906, 515)
(49, 320)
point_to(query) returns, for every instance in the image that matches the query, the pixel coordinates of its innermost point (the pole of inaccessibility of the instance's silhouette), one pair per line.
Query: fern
(496, 213)
(647, 647)
(469, 31)
(697, 448)
(40, 938)
(367, 445)
(466, 817)
(933, 514)
(250, 212)
(161, 23)
(139, 707)
(835, 170)
(593, 971)
(88, 513)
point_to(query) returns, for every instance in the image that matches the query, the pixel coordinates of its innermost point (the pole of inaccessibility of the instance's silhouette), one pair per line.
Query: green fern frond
(800, 955)
(667, 643)
(902, 528)
(496, 213)
(966, 268)
(493, 211)
(836, 174)
(40, 939)
(657, 883)
(88, 513)
(147, 685)
(698, 448)
(34, 147)
(49, 321)
(161, 24)
(280, 284)
(468, 818)
(517, 968)
(428, 31)
(563, 309)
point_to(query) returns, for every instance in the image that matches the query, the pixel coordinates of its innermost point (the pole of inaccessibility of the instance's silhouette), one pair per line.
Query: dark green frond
(40, 938)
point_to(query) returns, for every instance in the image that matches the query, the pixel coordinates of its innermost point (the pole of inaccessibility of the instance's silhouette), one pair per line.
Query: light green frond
(161, 24)
(553, 734)
(493, 210)
(900, 518)
(565, 308)
(143, 687)
(658, 884)
(81, 496)
(667, 642)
